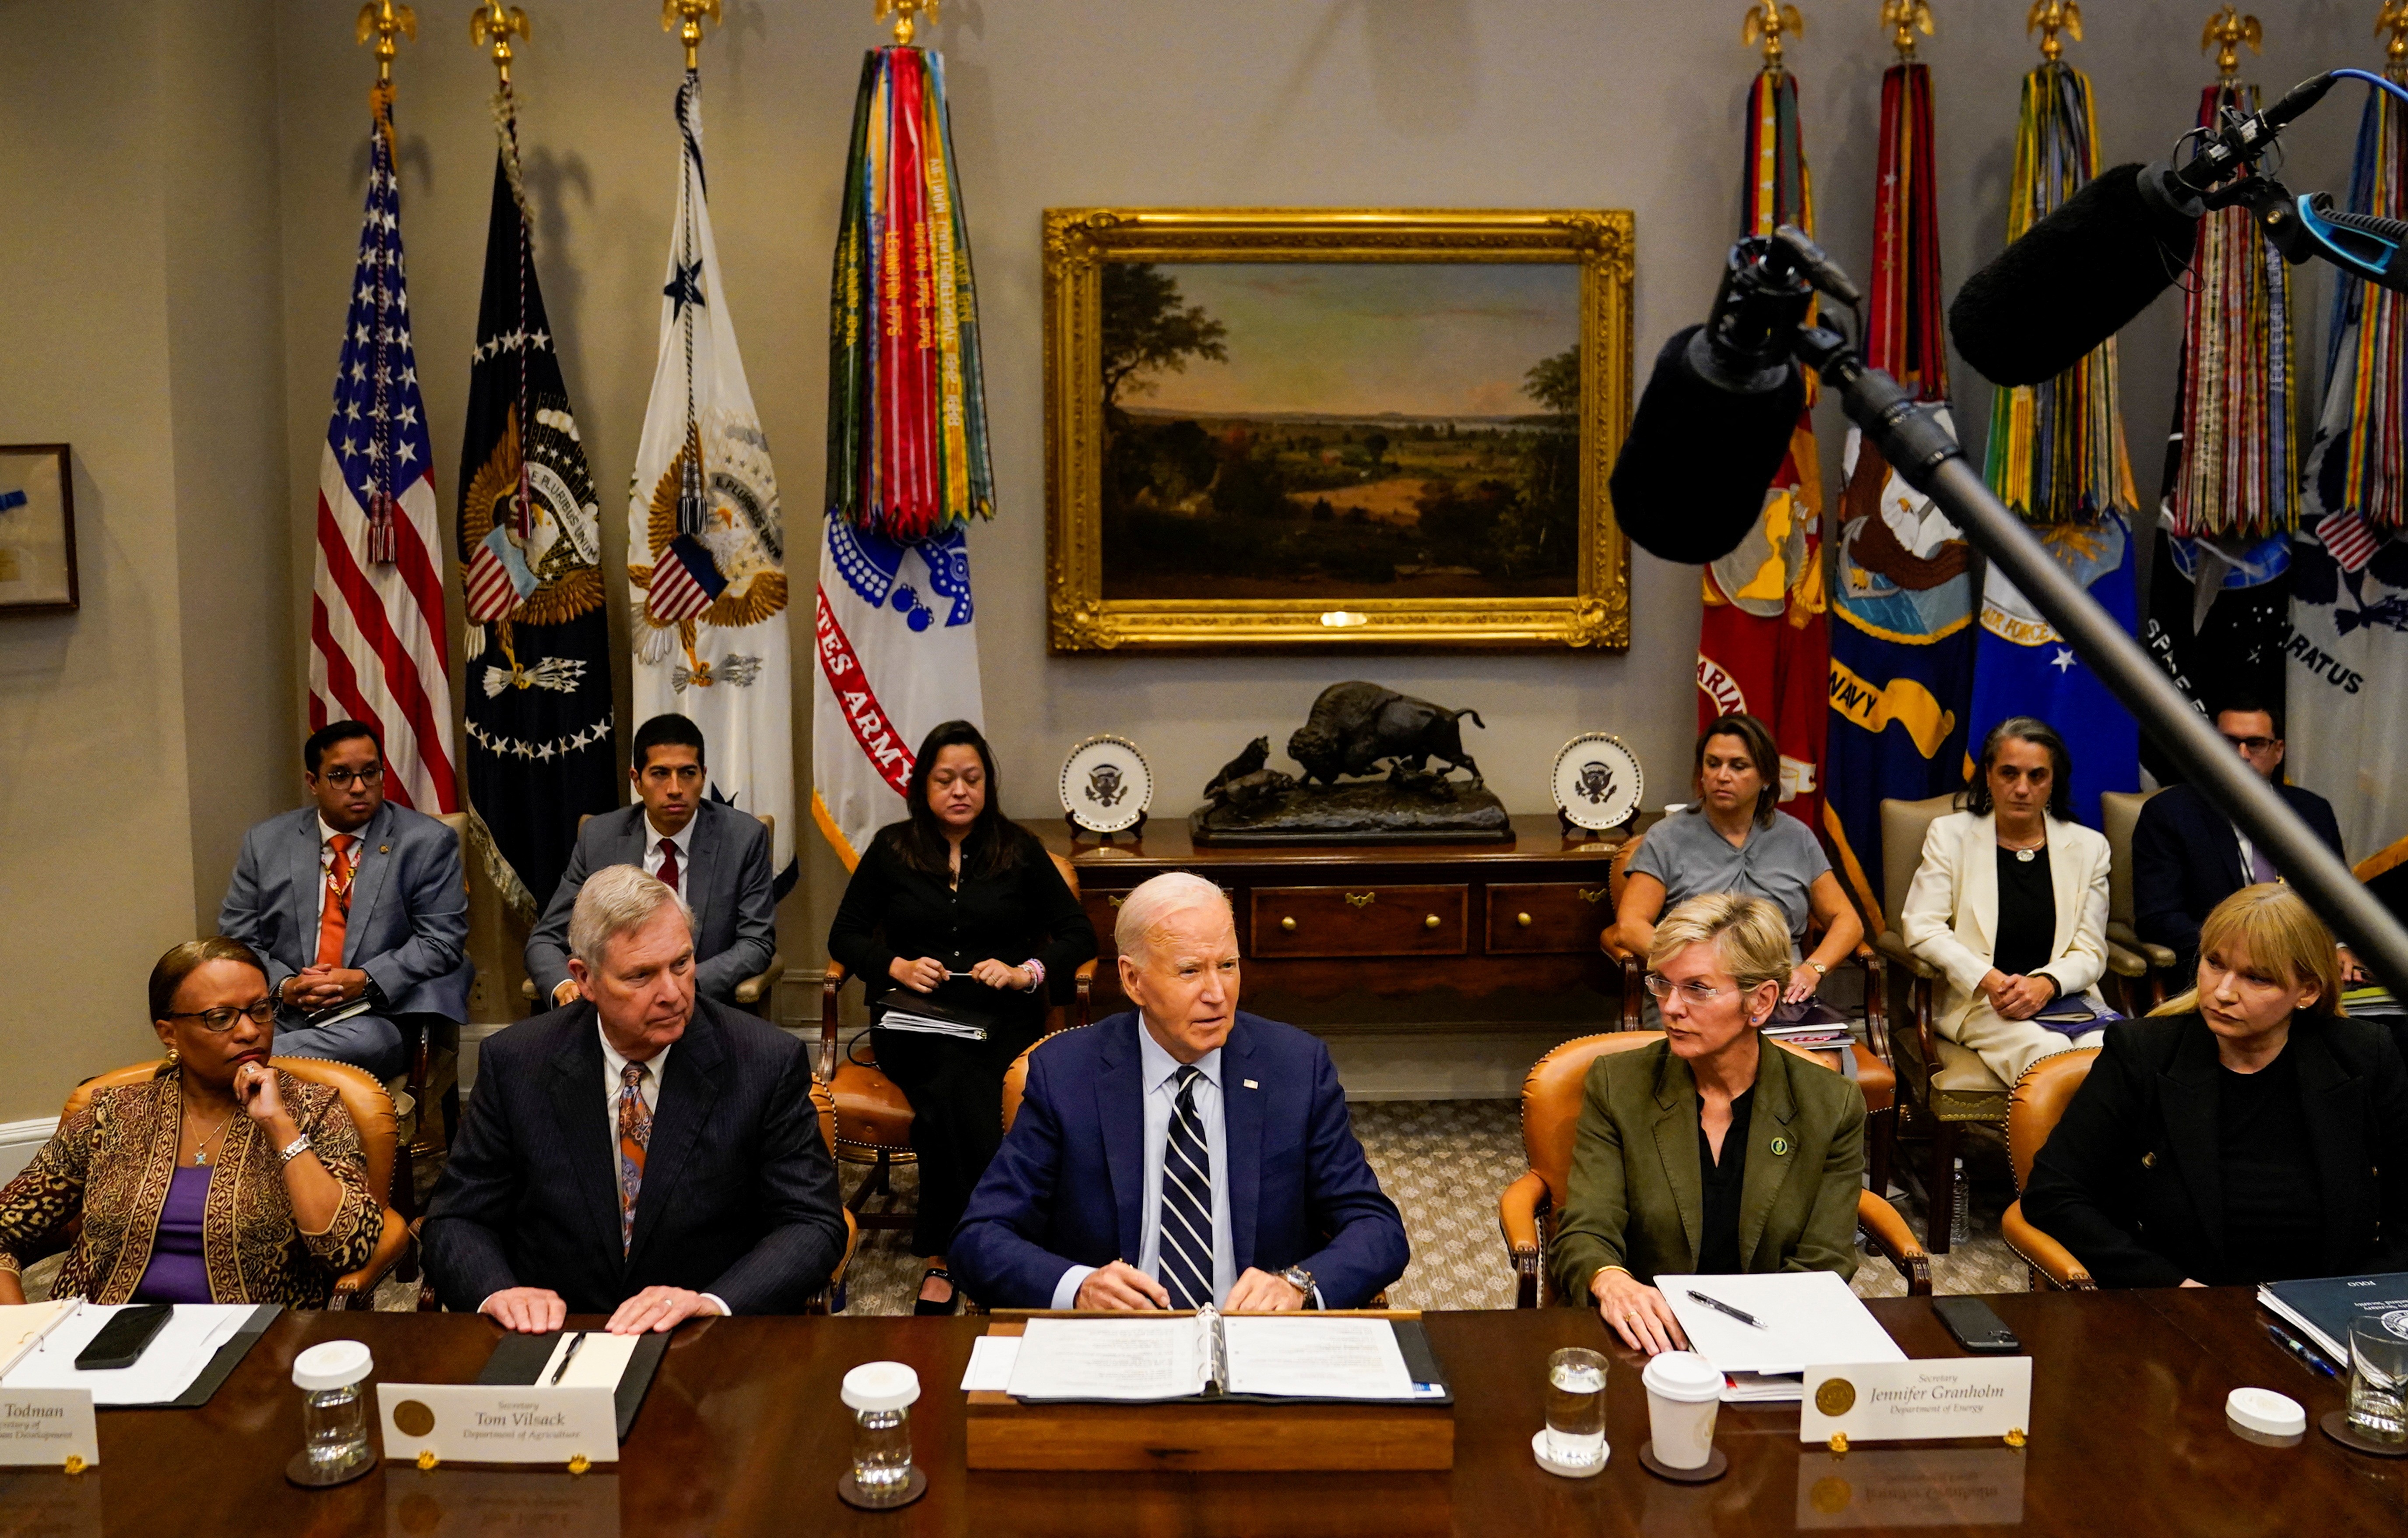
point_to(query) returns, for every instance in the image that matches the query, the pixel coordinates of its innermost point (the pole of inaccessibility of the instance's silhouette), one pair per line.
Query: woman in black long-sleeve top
(962, 906)
(2246, 1134)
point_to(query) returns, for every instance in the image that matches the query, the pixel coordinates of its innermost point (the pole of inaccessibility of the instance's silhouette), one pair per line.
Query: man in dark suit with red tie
(710, 853)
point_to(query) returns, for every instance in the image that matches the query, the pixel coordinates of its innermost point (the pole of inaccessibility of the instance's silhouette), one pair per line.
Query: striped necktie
(1184, 1265)
(635, 1135)
(334, 913)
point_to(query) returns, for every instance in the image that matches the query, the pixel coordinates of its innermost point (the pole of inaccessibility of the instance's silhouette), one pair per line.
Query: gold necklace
(2026, 853)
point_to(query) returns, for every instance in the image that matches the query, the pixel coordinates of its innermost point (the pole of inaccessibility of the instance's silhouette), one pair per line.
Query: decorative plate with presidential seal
(1598, 782)
(1106, 785)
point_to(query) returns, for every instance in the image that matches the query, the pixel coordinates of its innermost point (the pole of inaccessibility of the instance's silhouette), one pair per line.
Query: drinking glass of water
(2378, 1381)
(881, 1395)
(1576, 1408)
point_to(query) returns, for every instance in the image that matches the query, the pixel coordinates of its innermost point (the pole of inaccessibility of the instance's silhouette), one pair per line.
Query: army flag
(376, 601)
(540, 723)
(706, 542)
(2347, 653)
(1901, 675)
(2057, 457)
(908, 468)
(1763, 642)
(2219, 588)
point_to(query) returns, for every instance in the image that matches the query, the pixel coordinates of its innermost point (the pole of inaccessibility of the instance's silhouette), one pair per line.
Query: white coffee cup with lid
(1684, 1392)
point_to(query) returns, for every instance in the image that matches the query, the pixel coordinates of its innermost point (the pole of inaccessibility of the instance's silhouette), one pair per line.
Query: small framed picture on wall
(38, 553)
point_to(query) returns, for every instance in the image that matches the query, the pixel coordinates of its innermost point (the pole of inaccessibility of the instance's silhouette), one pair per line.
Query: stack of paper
(1805, 1316)
(1151, 1359)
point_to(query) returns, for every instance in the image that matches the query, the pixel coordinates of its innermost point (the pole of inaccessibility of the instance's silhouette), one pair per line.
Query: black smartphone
(120, 1342)
(1976, 1326)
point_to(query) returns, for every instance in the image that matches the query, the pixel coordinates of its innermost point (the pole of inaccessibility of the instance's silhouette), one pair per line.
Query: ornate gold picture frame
(1335, 428)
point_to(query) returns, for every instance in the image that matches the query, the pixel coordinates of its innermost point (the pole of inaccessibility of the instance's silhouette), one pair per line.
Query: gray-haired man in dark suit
(711, 854)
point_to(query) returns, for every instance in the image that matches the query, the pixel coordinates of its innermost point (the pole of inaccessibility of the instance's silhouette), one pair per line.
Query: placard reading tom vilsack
(486, 1423)
(1917, 1400)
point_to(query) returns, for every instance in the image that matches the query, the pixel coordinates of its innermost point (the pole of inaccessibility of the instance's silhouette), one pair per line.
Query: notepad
(1809, 1316)
(1176, 1356)
(599, 1363)
(171, 1363)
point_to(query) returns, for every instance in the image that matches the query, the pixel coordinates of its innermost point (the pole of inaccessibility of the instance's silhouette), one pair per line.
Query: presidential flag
(908, 467)
(1901, 675)
(2347, 653)
(541, 720)
(705, 541)
(1763, 640)
(376, 602)
(2057, 457)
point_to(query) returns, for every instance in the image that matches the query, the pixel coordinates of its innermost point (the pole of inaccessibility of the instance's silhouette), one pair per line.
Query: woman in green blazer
(1709, 1151)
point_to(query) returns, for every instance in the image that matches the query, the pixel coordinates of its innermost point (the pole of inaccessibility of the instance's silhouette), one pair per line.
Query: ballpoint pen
(576, 1342)
(2313, 1358)
(1721, 1307)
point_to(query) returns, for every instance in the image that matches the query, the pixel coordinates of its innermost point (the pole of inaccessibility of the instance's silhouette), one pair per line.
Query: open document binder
(1206, 1356)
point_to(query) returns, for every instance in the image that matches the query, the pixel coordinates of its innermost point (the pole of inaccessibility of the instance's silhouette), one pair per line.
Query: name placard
(485, 1423)
(1917, 1400)
(46, 1427)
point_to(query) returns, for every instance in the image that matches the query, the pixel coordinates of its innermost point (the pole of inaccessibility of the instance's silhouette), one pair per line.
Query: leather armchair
(1550, 1106)
(870, 1119)
(1875, 1074)
(371, 1112)
(2033, 1110)
(2119, 813)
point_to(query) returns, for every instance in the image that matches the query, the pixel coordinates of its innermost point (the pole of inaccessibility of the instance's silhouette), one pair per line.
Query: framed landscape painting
(1310, 429)
(37, 553)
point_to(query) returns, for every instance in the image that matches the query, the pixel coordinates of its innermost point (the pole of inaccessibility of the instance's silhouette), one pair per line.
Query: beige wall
(1379, 103)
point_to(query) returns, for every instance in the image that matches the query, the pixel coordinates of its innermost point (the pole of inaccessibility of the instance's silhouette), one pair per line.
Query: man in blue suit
(354, 904)
(2187, 855)
(1181, 1154)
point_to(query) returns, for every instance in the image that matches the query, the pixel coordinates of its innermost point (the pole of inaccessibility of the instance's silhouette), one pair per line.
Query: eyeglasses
(220, 1020)
(1696, 992)
(2250, 744)
(341, 778)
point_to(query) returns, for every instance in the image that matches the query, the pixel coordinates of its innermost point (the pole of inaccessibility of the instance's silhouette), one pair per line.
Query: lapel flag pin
(1251, 1085)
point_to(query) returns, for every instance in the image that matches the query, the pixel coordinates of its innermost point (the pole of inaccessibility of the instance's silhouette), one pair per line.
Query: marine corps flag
(1763, 645)
(907, 462)
(706, 542)
(2219, 586)
(2348, 648)
(539, 642)
(1903, 645)
(2057, 457)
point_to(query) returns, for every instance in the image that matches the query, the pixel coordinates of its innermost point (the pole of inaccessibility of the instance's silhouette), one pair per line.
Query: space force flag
(376, 602)
(908, 466)
(705, 541)
(539, 711)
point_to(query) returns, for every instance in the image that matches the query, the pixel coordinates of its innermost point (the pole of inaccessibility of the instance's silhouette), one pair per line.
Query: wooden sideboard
(1318, 921)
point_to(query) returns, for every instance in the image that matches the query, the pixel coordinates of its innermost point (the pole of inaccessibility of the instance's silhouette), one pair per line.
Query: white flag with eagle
(706, 543)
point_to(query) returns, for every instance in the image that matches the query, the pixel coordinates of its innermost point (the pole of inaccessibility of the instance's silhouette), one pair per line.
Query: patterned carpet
(1443, 1163)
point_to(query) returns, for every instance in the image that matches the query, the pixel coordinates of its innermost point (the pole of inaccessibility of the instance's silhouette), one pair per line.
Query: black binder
(518, 1359)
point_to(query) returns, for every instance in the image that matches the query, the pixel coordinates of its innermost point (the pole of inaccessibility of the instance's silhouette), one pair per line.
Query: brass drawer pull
(1430, 923)
(1588, 896)
(1365, 900)
(1288, 924)
(1521, 919)
(1113, 897)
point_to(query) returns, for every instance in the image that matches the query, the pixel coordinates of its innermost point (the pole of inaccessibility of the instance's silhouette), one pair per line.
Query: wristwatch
(1300, 1279)
(1820, 970)
(294, 1149)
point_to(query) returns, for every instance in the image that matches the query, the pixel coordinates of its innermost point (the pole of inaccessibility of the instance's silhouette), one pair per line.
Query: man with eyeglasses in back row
(2187, 855)
(358, 908)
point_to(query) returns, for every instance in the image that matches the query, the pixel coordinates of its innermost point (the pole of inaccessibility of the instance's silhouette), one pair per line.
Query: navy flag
(541, 720)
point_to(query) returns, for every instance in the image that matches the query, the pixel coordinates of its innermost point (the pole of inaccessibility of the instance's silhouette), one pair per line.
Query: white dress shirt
(1158, 1073)
(683, 838)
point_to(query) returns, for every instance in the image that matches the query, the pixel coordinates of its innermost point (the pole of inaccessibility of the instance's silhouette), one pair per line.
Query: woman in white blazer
(2011, 904)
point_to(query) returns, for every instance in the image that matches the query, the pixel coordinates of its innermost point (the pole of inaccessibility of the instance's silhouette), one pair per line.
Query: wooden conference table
(742, 1433)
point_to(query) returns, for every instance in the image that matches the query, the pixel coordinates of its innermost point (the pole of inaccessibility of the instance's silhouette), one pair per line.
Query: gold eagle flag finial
(491, 28)
(684, 18)
(2227, 30)
(384, 21)
(1766, 22)
(902, 11)
(2050, 17)
(2394, 20)
(1904, 19)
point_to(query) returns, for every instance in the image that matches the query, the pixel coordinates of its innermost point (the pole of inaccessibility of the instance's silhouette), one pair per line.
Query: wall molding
(17, 1141)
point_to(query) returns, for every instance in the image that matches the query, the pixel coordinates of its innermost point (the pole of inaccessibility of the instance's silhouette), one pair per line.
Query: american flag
(376, 612)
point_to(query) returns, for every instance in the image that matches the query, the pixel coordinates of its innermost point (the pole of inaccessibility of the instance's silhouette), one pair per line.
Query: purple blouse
(175, 1274)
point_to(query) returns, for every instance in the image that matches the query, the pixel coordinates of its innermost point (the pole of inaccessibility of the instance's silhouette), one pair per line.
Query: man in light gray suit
(711, 854)
(353, 903)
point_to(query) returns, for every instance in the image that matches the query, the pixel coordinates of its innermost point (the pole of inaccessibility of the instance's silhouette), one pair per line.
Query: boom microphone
(1702, 448)
(2072, 281)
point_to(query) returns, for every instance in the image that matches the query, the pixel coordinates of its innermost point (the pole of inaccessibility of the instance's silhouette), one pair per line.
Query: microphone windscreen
(1691, 477)
(2073, 281)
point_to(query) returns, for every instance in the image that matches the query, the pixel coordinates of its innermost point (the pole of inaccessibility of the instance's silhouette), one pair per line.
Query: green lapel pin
(1780, 1147)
